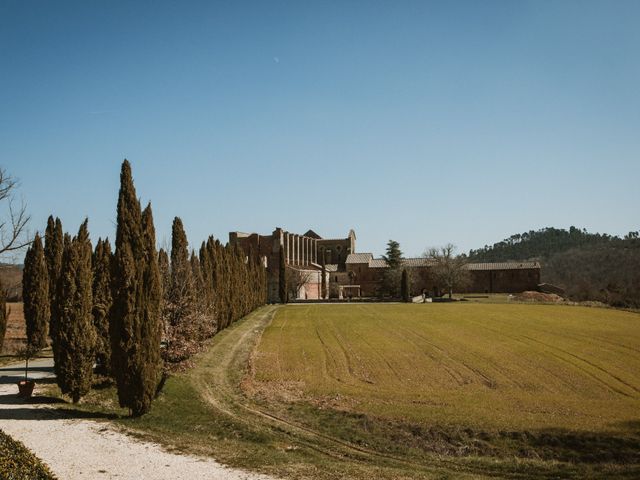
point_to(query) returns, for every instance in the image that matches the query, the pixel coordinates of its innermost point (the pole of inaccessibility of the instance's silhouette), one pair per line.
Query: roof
(427, 262)
(328, 240)
(417, 262)
(502, 266)
(331, 267)
(378, 263)
(310, 233)
(359, 258)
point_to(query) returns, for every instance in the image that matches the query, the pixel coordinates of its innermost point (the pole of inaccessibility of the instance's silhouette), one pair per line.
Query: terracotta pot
(25, 388)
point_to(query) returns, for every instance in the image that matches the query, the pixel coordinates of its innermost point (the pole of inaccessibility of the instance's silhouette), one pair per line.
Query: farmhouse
(352, 274)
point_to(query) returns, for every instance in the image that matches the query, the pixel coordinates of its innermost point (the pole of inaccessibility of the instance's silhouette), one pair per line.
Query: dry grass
(488, 367)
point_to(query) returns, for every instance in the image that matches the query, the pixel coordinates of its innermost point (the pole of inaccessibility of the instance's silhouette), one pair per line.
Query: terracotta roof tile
(359, 258)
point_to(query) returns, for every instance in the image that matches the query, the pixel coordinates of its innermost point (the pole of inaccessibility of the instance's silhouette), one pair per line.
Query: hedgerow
(18, 463)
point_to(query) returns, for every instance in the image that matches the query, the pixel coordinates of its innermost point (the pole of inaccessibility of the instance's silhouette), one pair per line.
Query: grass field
(482, 366)
(384, 391)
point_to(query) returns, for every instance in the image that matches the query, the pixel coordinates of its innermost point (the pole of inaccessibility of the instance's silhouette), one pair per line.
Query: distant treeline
(589, 266)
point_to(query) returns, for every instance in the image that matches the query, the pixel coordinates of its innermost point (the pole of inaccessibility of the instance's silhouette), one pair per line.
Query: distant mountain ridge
(590, 266)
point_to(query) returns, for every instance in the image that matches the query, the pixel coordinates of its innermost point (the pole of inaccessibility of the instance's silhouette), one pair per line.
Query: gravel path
(85, 449)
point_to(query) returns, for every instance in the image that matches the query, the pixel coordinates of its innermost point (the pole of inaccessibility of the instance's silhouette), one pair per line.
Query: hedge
(18, 463)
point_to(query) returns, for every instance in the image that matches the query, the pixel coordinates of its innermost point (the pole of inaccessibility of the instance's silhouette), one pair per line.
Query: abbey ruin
(352, 274)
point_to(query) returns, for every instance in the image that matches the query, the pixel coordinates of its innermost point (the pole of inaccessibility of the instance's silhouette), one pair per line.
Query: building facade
(352, 274)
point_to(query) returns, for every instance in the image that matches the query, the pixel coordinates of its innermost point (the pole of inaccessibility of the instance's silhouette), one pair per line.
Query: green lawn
(483, 366)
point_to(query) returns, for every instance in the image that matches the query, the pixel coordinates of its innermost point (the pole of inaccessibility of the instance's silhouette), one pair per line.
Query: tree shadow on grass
(14, 399)
(64, 411)
(52, 414)
(14, 379)
(620, 447)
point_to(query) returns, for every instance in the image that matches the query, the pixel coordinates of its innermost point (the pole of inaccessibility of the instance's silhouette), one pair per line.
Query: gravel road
(85, 449)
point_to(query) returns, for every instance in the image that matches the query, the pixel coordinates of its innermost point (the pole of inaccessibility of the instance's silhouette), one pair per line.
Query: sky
(422, 122)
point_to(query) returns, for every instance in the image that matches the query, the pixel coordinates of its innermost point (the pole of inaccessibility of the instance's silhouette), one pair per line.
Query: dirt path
(86, 449)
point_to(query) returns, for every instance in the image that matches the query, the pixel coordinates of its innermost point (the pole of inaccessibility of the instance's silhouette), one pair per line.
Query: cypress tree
(405, 287)
(35, 294)
(196, 275)
(181, 295)
(181, 328)
(76, 334)
(282, 277)
(3, 314)
(135, 326)
(151, 327)
(102, 300)
(53, 249)
(163, 267)
(206, 289)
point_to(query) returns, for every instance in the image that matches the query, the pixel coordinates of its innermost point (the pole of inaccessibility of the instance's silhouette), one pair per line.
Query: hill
(589, 266)
(11, 277)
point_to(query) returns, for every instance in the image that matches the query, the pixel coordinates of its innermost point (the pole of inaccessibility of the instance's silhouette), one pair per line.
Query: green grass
(557, 387)
(481, 366)
(463, 390)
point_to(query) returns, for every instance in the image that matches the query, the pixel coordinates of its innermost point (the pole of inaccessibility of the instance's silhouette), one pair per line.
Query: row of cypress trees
(115, 308)
(205, 292)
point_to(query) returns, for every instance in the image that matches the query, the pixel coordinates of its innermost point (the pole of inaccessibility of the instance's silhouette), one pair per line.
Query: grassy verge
(18, 463)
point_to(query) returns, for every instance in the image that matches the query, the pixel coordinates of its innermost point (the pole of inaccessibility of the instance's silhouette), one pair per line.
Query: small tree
(296, 279)
(76, 335)
(393, 255)
(14, 217)
(405, 287)
(3, 314)
(448, 270)
(391, 276)
(35, 294)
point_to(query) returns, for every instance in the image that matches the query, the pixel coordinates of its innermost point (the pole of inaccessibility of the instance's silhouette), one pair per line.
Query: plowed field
(482, 366)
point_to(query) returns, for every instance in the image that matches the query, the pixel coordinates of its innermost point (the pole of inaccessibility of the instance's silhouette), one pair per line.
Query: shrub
(19, 463)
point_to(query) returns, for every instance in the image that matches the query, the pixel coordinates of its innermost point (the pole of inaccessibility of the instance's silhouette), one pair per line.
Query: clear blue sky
(425, 122)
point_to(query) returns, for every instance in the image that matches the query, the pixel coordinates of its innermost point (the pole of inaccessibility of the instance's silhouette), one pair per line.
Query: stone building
(352, 274)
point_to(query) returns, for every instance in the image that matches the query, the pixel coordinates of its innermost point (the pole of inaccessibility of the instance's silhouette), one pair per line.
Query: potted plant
(25, 387)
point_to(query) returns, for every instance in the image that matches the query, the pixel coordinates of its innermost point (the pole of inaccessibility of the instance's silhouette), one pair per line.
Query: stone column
(304, 250)
(286, 247)
(309, 251)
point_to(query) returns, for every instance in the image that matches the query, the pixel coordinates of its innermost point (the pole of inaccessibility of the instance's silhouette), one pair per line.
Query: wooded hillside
(590, 266)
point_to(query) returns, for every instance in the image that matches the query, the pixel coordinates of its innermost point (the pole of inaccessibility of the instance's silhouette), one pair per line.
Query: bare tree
(14, 219)
(296, 279)
(448, 269)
